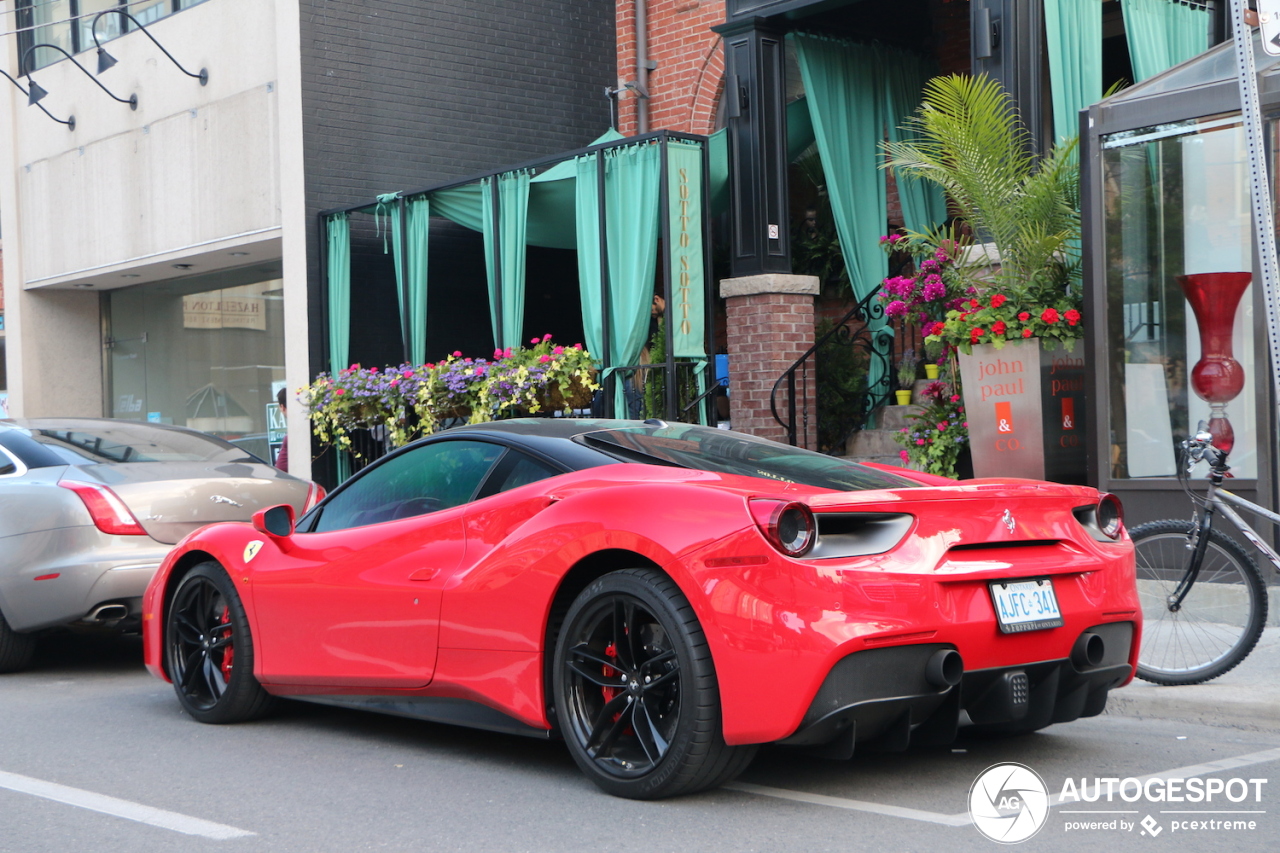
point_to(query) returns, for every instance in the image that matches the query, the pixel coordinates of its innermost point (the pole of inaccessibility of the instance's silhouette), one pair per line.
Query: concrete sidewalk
(1247, 697)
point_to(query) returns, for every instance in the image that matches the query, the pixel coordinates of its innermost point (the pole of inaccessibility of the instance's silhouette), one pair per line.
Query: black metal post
(498, 342)
(668, 309)
(403, 261)
(326, 354)
(708, 284)
(610, 382)
(755, 98)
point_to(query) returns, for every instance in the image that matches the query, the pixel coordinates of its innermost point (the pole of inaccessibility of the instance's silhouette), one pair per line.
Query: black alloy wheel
(209, 651)
(636, 694)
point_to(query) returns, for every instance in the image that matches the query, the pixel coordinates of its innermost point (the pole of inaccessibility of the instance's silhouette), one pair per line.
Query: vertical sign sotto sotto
(684, 232)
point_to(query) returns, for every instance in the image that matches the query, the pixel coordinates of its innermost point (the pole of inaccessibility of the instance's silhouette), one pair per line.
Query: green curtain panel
(923, 203)
(1073, 32)
(418, 231)
(846, 108)
(462, 205)
(339, 291)
(1162, 33)
(632, 178)
(513, 210)
(684, 224)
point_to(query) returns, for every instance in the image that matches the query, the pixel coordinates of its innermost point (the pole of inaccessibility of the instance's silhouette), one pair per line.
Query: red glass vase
(1217, 377)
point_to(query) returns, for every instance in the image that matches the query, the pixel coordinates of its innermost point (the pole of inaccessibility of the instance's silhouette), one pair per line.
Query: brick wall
(767, 333)
(401, 94)
(685, 87)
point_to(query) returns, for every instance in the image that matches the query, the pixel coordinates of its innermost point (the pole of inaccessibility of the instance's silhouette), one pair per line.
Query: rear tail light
(109, 513)
(1110, 516)
(315, 494)
(789, 526)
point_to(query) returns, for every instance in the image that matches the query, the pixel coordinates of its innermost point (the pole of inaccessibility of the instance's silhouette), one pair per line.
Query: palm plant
(967, 138)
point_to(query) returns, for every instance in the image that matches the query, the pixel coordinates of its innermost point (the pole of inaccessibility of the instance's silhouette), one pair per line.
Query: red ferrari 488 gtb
(663, 597)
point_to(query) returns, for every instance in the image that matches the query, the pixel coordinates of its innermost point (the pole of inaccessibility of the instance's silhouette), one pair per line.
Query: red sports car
(664, 597)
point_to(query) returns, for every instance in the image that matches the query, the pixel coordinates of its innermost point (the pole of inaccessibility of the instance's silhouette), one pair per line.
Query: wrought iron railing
(827, 395)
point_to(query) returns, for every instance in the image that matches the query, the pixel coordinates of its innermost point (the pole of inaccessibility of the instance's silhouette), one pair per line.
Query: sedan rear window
(132, 442)
(726, 452)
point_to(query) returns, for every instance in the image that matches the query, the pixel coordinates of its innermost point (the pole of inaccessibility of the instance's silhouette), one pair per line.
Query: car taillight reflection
(315, 494)
(109, 513)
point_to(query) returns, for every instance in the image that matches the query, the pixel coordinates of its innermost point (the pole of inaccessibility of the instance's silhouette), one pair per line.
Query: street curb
(1172, 703)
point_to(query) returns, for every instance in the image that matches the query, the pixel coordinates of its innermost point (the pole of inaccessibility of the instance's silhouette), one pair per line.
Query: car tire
(16, 650)
(663, 736)
(209, 649)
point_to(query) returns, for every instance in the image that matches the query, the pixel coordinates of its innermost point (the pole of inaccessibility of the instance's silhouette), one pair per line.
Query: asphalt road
(88, 721)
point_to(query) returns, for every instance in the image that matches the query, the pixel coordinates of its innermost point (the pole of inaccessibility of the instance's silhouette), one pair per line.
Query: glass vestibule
(1179, 291)
(209, 359)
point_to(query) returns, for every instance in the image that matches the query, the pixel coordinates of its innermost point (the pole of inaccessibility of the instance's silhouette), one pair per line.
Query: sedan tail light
(109, 513)
(788, 525)
(315, 494)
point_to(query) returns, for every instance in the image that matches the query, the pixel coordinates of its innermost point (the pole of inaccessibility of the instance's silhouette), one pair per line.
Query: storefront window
(211, 360)
(1180, 294)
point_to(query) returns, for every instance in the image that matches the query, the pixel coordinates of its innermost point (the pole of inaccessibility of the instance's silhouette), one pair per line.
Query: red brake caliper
(609, 692)
(229, 651)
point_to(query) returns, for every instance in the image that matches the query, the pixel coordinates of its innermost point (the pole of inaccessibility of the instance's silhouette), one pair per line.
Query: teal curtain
(687, 337)
(418, 230)
(461, 204)
(1073, 32)
(846, 107)
(513, 210)
(1162, 33)
(632, 178)
(923, 203)
(339, 291)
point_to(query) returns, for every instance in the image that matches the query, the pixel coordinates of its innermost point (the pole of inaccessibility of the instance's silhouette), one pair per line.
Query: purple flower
(895, 308)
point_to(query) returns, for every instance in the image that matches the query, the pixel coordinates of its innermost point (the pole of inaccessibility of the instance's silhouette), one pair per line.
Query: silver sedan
(89, 508)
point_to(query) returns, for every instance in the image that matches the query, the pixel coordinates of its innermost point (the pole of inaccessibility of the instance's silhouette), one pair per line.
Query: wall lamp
(69, 122)
(106, 60)
(37, 91)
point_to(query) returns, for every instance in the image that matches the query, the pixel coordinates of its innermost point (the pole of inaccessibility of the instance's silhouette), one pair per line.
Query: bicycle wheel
(1220, 619)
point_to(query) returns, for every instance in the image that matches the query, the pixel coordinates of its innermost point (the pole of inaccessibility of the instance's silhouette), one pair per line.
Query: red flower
(1026, 333)
(998, 300)
(1073, 317)
(975, 334)
(1050, 315)
(975, 304)
(955, 398)
(937, 328)
(1024, 316)
(998, 327)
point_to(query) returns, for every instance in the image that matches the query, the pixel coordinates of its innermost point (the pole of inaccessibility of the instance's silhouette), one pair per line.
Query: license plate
(1028, 605)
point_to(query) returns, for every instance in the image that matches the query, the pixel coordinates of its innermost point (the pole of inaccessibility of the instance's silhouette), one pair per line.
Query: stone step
(872, 442)
(896, 417)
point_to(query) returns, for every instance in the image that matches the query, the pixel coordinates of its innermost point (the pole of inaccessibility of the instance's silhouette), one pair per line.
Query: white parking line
(963, 819)
(119, 808)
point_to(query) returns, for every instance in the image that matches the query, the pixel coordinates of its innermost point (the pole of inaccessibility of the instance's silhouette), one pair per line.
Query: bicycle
(1204, 599)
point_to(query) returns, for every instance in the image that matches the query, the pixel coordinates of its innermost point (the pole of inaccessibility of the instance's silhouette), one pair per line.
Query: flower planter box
(1026, 411)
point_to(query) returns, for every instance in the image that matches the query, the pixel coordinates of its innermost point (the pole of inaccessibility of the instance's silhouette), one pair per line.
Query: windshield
(722, 451)
(133, 442)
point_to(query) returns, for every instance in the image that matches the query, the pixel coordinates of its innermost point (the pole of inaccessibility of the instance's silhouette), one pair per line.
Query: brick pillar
(770, 325)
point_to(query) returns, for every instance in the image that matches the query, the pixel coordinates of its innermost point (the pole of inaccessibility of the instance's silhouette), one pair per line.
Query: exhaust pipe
(945, 668)
(1088, 650)
(107, 613)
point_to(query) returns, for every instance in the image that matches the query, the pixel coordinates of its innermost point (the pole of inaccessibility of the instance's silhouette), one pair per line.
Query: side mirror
(275, 521)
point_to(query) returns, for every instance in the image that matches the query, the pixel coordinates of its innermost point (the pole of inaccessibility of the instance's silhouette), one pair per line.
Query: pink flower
(546, 337)
(430, 366)
(395, 381)
(920, 441)
(339, 392)
(497, 353)
(544, 359)
(577, 346)
(895, 308)
(906, 429)
(457, 353)
(966, 424)
(906, 457)
(955, 398)
(480, 369)
(408, 374)
(942, 426)
(535, 340)
(558, 350)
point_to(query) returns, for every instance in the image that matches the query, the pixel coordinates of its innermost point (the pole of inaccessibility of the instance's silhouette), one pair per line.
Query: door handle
(424, 574)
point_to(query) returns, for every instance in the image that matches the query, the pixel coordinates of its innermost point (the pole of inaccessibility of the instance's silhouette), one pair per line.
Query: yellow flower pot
(904, 397)
(931, 371)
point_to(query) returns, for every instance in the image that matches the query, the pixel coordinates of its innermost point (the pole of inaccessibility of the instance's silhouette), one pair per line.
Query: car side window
(426, 479)
(524, 471)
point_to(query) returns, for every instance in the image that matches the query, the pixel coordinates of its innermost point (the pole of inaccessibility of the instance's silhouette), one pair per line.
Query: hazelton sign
(1026, 412)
